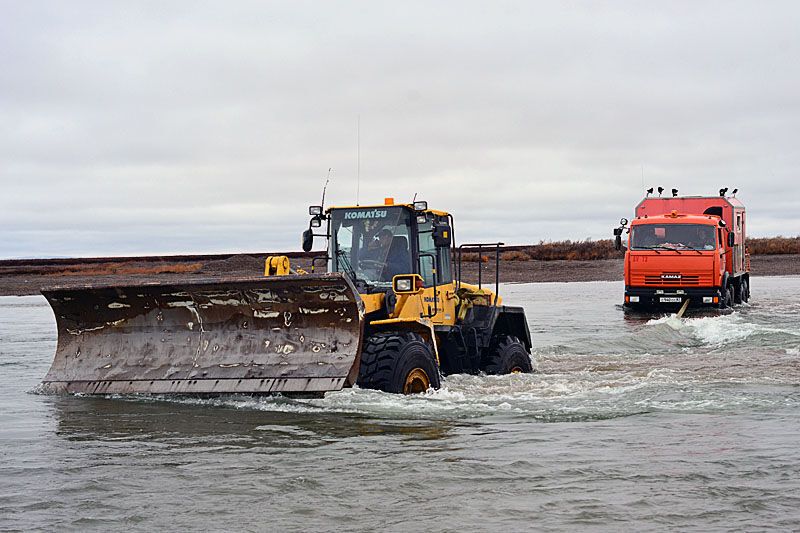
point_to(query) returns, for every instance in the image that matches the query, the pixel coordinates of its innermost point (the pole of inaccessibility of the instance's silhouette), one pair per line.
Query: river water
(630, 424)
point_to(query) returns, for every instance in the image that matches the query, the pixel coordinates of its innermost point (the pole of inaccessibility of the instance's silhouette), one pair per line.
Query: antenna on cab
(325, 188)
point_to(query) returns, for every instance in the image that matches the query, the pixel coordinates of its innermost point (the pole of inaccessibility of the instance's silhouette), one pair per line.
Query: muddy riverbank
(24, 277)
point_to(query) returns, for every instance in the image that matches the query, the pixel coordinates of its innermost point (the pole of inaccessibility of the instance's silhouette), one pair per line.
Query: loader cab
(371, 244)
(374, 244)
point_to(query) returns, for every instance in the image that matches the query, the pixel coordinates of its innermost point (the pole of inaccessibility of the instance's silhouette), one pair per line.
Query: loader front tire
(507, 355)
(401, 363)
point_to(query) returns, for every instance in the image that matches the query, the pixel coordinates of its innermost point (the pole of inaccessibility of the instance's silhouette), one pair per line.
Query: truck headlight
(708, 299)
(634, 299)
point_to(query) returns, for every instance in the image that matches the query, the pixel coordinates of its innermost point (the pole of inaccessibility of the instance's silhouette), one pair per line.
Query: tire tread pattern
(381, 356)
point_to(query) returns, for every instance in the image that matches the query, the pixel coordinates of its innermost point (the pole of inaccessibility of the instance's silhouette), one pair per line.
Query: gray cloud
(200, 127)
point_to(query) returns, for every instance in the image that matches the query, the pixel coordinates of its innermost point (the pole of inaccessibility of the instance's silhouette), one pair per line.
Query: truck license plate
(671, 299)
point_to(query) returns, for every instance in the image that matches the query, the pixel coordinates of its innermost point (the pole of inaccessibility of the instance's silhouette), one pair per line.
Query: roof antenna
(414, 199)
(358, 158)
(325, 188)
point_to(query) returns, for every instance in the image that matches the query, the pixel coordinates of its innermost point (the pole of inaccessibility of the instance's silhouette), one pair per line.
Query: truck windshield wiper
(662, 247)
(693, 248)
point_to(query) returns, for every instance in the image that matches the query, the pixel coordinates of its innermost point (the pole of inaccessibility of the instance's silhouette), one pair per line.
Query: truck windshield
(673, 236)
(371, 244)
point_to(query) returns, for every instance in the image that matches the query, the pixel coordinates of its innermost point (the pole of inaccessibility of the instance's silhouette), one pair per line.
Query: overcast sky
(179, 127)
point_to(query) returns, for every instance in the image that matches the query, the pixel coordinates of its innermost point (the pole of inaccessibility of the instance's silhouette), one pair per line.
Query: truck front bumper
(671, 297)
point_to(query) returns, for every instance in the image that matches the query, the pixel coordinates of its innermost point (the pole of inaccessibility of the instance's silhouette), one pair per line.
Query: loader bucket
(276, 334)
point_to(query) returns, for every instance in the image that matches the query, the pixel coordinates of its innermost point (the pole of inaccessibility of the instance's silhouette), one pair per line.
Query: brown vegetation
(127, 269)
(774, 246)
(587, 250)
(590, 250)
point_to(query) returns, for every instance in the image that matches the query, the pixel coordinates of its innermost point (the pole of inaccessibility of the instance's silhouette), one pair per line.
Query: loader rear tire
(401, 363)
(507, 355)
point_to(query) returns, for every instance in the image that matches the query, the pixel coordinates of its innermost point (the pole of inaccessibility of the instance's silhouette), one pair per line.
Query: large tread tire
(507, 355)
(726, 302)
(401, 363)
(745, 290)
(737, 292)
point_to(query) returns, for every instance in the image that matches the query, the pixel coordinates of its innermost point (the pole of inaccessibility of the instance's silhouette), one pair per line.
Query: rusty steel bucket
(298, 333)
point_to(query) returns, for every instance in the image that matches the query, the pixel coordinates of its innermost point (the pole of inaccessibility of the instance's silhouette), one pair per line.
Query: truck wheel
(728, 297)
(398, 363)
(737, 292)
(725, 298)
(507, 355)
(745, 290)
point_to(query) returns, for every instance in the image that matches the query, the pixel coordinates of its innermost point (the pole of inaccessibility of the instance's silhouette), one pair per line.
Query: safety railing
(480, 248)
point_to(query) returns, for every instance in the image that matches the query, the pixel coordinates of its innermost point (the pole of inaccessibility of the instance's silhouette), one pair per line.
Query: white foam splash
(713, 330)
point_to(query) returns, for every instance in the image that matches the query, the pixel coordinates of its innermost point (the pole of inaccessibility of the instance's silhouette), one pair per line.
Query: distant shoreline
(27, 276)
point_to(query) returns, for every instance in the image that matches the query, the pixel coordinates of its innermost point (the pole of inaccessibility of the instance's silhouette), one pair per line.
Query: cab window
(426, 246)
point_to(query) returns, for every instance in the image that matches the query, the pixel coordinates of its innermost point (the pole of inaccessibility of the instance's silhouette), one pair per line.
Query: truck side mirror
(308, 240)
(442, 235)
(618, 238)
(731, 239)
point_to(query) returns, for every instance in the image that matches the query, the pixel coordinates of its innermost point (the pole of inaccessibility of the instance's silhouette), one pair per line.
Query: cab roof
(677, 218)
(410, 207)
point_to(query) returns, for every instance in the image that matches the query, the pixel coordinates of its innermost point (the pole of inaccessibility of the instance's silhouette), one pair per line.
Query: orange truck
(686, 248)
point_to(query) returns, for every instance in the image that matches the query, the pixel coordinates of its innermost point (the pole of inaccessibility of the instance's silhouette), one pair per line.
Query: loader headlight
(407, 283)
(315, 210)
(421, 206)
(316, 222)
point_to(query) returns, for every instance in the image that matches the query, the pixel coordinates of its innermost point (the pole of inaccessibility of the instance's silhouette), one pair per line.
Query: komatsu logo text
(372, 213)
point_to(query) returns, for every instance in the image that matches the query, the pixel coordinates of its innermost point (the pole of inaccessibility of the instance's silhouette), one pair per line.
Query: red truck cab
(686, 248)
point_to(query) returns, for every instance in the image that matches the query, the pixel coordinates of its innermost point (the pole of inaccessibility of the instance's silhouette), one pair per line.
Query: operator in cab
(390, 250)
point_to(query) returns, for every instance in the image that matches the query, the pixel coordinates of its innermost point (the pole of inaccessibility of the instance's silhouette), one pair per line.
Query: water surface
(629, 424)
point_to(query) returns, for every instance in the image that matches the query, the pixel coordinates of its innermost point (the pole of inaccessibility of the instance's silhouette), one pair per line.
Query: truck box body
(680, 248)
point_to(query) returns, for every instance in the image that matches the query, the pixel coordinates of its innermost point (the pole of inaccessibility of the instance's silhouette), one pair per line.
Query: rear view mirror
(308, 240)
(617, 241)
(442, 235)
(617, 231)
(731, 239)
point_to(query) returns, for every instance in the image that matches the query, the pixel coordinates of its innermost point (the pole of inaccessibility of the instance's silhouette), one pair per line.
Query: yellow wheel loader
(389, 314)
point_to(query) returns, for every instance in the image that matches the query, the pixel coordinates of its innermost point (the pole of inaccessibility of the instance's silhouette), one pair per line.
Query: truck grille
(668, 279)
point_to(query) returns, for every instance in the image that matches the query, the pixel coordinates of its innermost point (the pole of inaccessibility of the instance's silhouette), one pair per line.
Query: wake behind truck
(686, 248)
